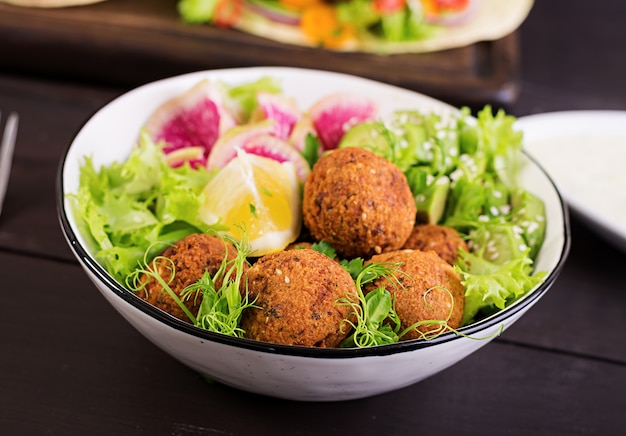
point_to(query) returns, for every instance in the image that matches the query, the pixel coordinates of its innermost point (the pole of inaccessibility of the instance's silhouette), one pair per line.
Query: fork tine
(6, 153)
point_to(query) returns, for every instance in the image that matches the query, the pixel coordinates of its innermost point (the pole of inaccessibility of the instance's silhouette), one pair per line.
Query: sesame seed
(287, 279)
(278, 271)
(456, 174)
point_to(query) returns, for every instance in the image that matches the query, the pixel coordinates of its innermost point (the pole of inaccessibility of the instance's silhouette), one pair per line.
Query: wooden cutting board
(130, 42)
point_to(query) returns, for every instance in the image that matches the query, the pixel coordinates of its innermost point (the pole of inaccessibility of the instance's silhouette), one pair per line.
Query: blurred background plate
(585, 154)
(49, 3)
(131, 42)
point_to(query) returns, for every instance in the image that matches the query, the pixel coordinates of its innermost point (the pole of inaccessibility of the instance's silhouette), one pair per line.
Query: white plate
(585, 154)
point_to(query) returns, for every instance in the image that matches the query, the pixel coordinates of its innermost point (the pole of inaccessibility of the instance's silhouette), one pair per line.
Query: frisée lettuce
(136, 208)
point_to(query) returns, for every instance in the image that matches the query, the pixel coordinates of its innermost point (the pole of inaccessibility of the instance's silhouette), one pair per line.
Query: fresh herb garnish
(252, 209)
(311, 150)
(222, 300)
(221, 307)
(377, 322)
(325, 248)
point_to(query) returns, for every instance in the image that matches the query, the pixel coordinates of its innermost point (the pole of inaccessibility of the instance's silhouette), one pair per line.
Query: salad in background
(336, 23)
(375, 26)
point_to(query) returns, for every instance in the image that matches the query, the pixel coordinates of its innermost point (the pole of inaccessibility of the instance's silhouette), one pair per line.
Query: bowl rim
(87, 261)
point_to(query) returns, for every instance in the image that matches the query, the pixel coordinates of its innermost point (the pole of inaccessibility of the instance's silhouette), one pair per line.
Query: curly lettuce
(138, 206)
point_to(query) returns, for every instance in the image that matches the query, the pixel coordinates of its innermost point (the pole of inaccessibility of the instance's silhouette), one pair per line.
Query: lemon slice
(258, 195)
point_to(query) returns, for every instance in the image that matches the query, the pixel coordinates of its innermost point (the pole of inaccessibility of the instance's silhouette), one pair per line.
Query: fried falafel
(190, 258)
(443, 240)
(358, 202)
(427, 289)
(299, 245)
(297, 295)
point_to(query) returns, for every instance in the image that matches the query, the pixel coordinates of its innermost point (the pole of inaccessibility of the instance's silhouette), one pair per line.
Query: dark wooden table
(70, 365)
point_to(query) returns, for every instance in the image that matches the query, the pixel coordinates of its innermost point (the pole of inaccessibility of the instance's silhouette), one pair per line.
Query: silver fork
(6, 153)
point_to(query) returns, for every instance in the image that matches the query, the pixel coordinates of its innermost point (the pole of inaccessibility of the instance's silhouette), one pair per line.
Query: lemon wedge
(259, 196)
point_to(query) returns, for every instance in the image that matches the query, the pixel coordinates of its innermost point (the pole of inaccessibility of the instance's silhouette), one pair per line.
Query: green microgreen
(223, 300)
(440, 324)
(162, 270)
(221, 307)
(377, 322)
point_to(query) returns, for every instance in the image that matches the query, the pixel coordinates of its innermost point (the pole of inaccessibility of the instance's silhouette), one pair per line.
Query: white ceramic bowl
(297, 373)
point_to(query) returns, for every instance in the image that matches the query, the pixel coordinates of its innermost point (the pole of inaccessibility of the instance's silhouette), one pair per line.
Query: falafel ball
(358, 202)
(297, 294)
(299, 245)
(443, 240)
(190, 258)
(427, 288)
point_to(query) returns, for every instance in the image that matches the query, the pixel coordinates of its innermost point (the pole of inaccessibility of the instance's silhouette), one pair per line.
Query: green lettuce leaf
(137, 206)
(241, 100)
(490, 287)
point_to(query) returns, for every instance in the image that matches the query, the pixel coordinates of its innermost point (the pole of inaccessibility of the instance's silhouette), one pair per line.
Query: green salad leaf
(392, 23)
(241, 100)
(137, 206)
(491, 286)
(197, 11)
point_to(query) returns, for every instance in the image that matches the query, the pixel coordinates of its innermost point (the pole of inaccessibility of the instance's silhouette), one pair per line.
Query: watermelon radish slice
(302, 128)
(256, 139)
(335, 114)
(195, 118)
(194, 155)
(281, 109)
(225, 147)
